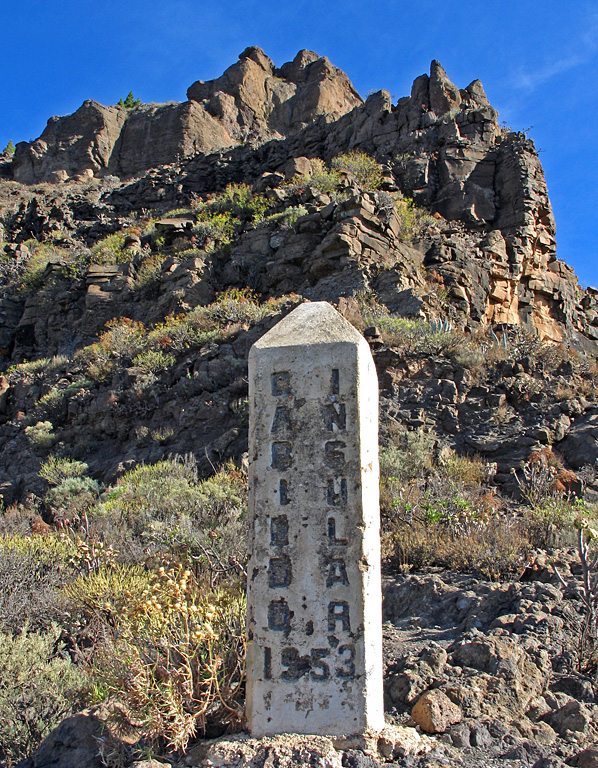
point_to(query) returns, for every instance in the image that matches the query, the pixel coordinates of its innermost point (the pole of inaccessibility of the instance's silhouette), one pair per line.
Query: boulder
(587, 758)
(72, 145)
(572, 717)
(434, 712)
(81, 741)
(580, 447)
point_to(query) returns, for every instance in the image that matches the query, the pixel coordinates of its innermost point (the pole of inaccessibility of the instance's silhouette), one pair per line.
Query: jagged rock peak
(256, 54)
(438, 94)
(444, 95)
(251, 101)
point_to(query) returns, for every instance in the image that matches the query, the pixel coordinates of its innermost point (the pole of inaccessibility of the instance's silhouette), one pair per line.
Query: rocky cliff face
(441, 146)
(482, 258)
(252, 101)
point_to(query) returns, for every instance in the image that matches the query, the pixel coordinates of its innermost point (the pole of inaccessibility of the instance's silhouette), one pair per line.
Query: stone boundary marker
(314, 662)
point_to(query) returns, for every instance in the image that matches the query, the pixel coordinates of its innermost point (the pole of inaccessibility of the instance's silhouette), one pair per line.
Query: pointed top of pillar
(311, 323)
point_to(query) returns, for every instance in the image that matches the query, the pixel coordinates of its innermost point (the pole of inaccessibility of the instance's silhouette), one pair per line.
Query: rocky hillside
(146, 249)
(455, 228)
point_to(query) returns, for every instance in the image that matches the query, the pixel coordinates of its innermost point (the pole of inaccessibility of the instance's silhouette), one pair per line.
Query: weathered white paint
(314, 660)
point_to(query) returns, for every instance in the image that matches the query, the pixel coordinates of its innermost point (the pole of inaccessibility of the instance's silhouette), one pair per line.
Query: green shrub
(409, 456)
(167, 507)
(413, 220)
(38, 689)
(236, 306)
(470, 471)
(416, 337)
(51, 403)
(471, 356)
(23, 370)
(123, 338)
(56, 469)
(108, 588)
(174, 656)
(324, 180)
(287, 218)
(41, 435)
(9, 149)
(239, 200)
(72, 498)
(220, 227)
(494, 550)
(162, 435)
(232, 308)
(184, 331)
(240, 408)
(110, 250)
(30, 278)
(438, 521)
(444, 514)
(75, 387)
(362, 167)
(552, 523)
(147, 277)
(221, 218)
(153, 361)
(176, 212)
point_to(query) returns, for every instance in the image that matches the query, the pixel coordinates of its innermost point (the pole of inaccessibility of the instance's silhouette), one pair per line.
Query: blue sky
(537, 61)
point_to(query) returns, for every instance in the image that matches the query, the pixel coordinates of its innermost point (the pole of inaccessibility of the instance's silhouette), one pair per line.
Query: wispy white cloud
(528, 79)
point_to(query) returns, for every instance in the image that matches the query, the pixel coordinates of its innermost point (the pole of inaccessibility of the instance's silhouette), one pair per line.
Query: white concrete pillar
(314, 662)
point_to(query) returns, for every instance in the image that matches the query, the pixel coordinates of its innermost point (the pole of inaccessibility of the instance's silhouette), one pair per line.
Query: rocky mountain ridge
(144, 253)
(251, 102)
(484, 257)
(441, 146)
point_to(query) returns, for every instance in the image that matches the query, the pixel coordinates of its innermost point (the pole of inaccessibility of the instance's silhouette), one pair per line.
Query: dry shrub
(38, 689)
(495, 549)
(33, 570)
(543, 477)
(173, 650)
(586, 591)
(446, 515)
(469, 470)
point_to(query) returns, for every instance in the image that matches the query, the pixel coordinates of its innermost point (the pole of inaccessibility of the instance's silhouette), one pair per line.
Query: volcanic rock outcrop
(252, 101)
(441, 146)
(484, 258)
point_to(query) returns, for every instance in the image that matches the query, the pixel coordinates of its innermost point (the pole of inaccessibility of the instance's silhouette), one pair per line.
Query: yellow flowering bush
(173, 650)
